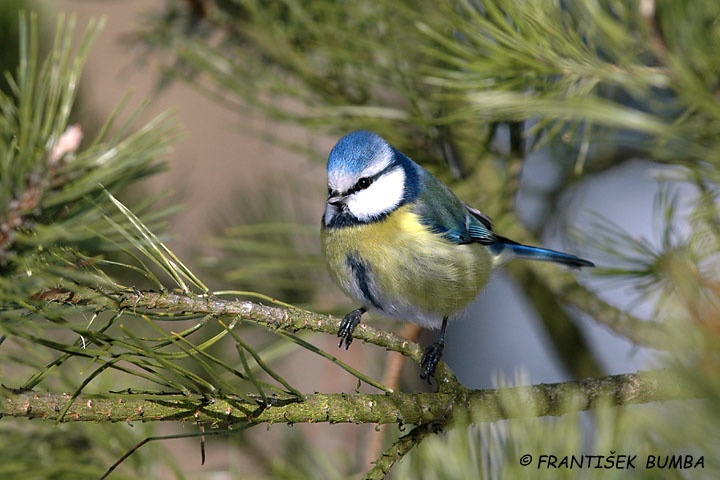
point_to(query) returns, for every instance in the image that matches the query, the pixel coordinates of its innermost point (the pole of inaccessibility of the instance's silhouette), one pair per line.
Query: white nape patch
(382, 196)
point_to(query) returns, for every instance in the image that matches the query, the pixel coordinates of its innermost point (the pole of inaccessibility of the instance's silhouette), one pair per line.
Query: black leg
(433, 354)
(347, 326)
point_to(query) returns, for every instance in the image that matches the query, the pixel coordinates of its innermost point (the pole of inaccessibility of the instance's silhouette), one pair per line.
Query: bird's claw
(347, 327)
(431, 357)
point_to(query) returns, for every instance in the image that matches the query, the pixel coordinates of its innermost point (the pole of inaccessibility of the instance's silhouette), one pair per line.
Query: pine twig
(407, 408)
(399, 449)
(288, 319)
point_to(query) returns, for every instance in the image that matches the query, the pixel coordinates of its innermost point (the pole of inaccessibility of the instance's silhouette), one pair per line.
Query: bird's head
(367, 179)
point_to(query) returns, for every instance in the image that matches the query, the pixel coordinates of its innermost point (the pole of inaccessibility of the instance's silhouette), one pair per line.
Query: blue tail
(536, 253)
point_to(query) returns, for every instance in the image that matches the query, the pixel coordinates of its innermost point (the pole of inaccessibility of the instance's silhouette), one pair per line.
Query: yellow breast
(411, 268)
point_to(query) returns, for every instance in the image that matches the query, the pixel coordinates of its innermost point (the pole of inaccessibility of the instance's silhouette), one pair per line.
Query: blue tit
(399, 242)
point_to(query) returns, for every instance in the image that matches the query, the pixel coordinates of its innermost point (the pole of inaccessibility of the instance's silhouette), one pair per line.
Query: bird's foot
(347, 327)
(430, 359)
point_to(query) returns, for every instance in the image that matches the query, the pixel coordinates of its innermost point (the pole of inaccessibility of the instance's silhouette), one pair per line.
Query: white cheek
(383, 196)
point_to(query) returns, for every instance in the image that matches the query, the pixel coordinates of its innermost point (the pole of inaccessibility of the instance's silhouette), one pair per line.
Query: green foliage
(53, 219)
(9, 37)
(608, 438)
(598, 82)
(320, 64)
(58, 229)
(594, 83)
(42, 451)
(415, 70)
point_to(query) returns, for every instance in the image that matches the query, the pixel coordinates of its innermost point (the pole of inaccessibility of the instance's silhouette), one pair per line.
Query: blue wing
(462, 224)
(444, 214)
(469, 225)
(479, 226)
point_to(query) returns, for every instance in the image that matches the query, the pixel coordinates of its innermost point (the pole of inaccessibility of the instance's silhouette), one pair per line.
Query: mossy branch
(277, 318)
(487, 405)
(395, 407)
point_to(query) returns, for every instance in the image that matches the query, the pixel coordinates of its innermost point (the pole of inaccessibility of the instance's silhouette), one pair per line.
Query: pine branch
(395, 407)
(555, 66)
(291, 319)
(488, 405)
(431, 409)
(399, 449)
(286, 319)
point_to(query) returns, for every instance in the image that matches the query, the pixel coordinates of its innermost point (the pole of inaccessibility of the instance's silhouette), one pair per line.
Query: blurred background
(225, 159)
(250, 181)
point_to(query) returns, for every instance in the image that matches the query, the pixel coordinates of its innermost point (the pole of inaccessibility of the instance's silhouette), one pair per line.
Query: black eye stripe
(365, 182)
(361, 184)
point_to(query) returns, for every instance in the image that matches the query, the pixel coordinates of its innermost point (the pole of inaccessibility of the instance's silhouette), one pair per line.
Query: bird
(400, 243)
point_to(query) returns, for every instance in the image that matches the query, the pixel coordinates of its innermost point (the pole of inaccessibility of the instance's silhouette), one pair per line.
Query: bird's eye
(363, 183)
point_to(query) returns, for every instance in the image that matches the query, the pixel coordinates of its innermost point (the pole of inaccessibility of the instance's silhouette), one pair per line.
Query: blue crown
(355, 151)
